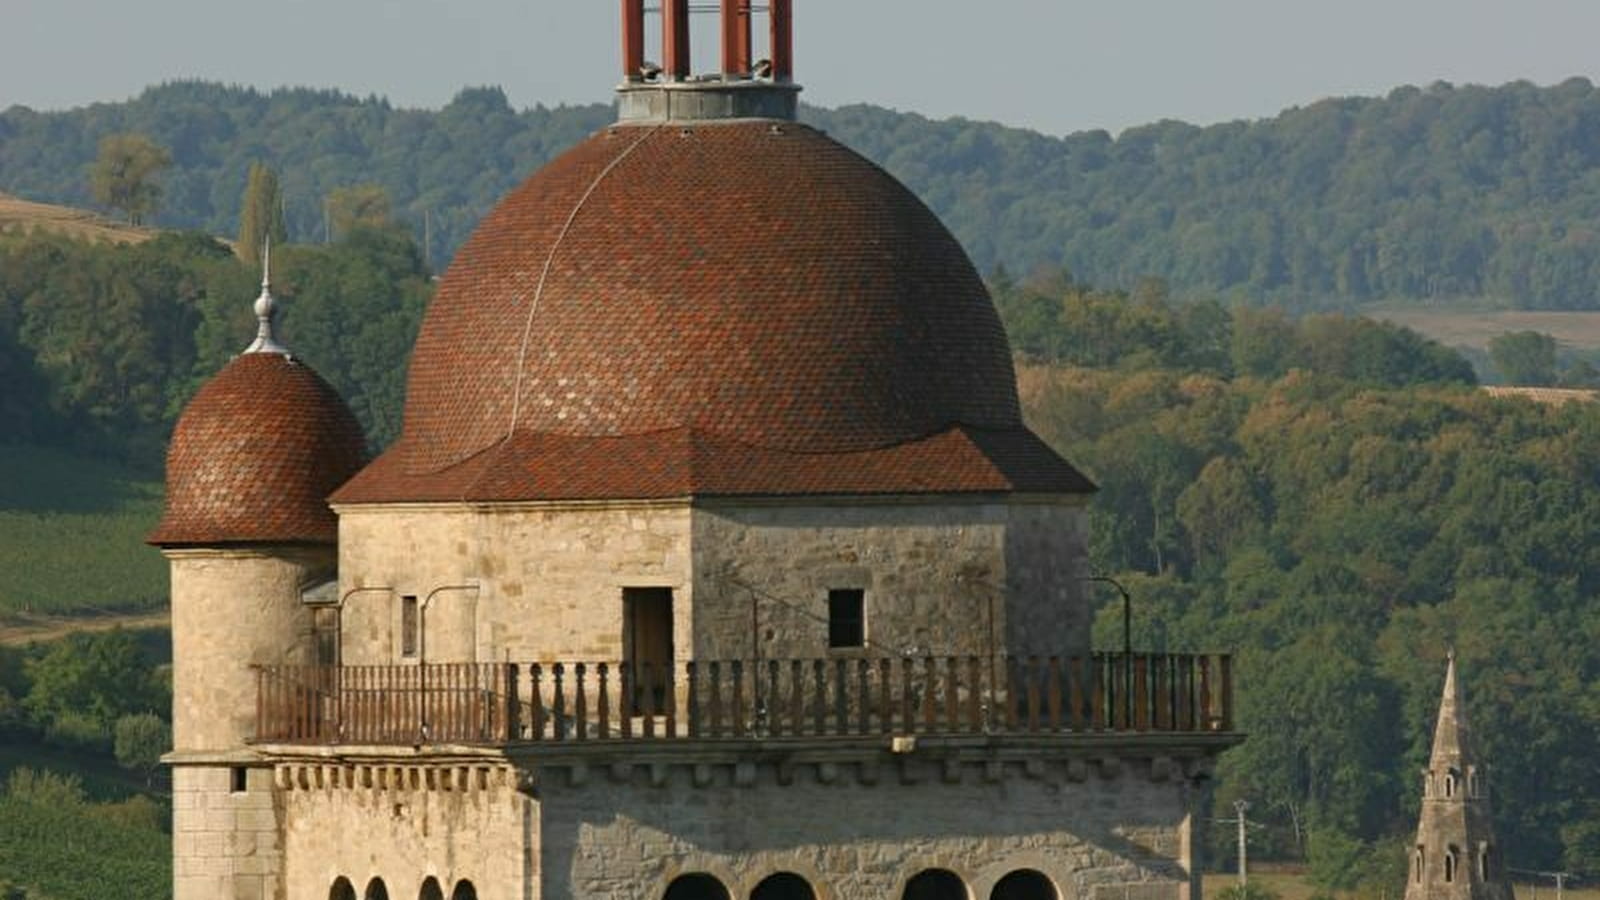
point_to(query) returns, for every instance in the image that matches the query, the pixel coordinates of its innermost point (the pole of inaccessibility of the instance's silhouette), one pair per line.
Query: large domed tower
(715, 559)
(247, 530)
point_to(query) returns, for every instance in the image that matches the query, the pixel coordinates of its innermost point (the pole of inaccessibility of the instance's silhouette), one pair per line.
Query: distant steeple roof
(1456, 856)
(266, 309)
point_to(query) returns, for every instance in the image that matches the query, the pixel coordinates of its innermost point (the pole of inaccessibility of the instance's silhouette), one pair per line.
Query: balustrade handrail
(833, 697)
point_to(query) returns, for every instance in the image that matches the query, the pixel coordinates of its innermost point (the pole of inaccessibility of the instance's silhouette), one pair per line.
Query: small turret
(1456, 856)
(246, 530)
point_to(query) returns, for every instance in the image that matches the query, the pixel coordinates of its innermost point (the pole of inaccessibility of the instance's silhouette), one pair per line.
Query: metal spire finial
(265, 308)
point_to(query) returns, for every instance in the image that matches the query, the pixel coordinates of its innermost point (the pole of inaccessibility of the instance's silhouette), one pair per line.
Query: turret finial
(265, 308)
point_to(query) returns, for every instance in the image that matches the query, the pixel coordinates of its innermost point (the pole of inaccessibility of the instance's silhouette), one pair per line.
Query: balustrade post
(716, 698)
(692, 697)
(1141, 699)
(605, 702)
(1053, 692)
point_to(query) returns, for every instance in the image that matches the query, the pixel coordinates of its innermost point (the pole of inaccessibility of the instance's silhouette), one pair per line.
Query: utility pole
(1240, 807)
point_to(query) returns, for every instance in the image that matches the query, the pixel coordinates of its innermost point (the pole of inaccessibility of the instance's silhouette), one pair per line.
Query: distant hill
(17, 214)
(1427, 195)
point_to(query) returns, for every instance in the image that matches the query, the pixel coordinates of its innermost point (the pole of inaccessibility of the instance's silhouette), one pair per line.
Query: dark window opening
(1450, 865)
(431, 890)
(935, 884)
(783, 886)
(325, 635)
(1418, 860)
(1024, 884)
(464, 891)
(376, 890)
(342, 889)
(408, 626)
(696, 886)
(847, 623)
(240, 779)
(1483, 864)
(647, 649)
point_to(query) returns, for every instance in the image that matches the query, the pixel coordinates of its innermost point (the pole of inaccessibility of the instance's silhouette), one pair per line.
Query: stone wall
(941, 576)
(404, 823)
(863, 835)
(548, 578)
(225, 843)
(232, 609)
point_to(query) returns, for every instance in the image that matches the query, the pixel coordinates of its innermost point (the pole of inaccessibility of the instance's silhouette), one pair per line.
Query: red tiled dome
(753, 283)
(256, 454)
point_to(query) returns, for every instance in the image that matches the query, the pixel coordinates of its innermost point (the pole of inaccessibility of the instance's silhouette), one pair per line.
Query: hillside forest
(1329, 497)
(1427, 195)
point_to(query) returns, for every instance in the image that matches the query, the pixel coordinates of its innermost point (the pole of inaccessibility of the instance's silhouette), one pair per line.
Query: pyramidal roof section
(1450, 733)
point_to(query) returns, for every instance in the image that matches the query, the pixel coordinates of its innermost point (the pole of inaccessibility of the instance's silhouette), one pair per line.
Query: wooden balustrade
(839, 697)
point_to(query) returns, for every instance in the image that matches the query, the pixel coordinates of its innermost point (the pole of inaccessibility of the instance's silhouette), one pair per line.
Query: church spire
(266, 308)
(1456, 856)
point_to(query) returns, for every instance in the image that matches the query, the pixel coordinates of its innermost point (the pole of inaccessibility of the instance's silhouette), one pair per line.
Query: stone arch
(783, 886)
(431, 889)
(1451, 856)
(1483, 862)
(375, 890)
(342, 889)
(696, 886)
(1450, 783)
(1418, 860)
(1025, 884)
(935, 884)
(464, 891)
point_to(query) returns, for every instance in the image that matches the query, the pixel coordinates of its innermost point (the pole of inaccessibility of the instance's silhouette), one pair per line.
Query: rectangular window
(408, 626)
(847, 623)
(240, 779)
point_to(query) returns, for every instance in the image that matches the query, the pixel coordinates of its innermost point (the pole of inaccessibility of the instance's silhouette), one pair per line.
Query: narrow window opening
(847, 623)
(408, 626)
(1450, 784)
(325, 635)
(1450, 865)
(1417, 862)
(240, 779)
(1483, 863)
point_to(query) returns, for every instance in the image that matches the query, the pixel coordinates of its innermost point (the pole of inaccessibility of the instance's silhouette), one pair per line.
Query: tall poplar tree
(261, 213)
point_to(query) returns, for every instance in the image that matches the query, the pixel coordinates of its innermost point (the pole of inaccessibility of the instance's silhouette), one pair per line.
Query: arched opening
(464, 891)
(1450, 783)
(376, 890)
(431, 890)
(696, 886)
(342, 889)
(1417, 861)
(1450, 865)
(1483, 863)
(935, 884)
(783, 886)
(1024, 884)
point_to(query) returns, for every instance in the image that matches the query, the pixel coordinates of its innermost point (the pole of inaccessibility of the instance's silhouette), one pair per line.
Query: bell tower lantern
(745, 87)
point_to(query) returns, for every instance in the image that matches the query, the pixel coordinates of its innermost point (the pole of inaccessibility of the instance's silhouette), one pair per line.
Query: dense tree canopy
(1340, 519)
(1426, 194)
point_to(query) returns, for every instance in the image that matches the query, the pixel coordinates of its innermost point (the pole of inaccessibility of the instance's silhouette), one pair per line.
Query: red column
(782, 12)
(632, 38)
(735, 37)
(675, 38)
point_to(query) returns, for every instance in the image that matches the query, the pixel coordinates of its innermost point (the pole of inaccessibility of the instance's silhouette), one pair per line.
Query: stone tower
(246, 531)
(1456, 856)
(714, 560)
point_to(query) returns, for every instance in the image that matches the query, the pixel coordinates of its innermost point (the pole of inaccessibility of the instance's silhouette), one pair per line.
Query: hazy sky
(1054, 65)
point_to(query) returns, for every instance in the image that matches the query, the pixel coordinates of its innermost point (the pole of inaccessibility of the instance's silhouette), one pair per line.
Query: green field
(72, 536)
(1463, 326)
